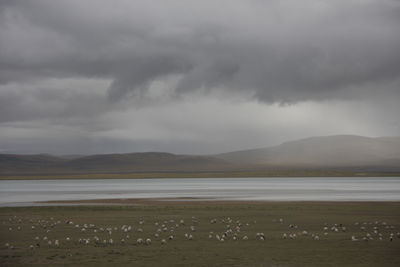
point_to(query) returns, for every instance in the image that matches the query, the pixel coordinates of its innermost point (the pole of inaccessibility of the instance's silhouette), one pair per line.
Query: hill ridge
(337, 151)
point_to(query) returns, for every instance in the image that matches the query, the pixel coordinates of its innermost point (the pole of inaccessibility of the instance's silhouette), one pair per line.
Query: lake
(25, 192)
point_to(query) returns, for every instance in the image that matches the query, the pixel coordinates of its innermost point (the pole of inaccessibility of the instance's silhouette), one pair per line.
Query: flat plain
(189, 233)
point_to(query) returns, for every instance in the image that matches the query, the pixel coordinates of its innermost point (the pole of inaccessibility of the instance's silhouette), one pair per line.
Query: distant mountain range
(329, 151)
(114, 163)
(332, 152)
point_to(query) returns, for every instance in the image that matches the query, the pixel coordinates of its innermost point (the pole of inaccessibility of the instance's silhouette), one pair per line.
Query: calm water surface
(24, 192)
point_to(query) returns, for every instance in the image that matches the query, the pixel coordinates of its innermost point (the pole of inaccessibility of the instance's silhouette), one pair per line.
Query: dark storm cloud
(281, 51)
(194, 76)
(52, 99)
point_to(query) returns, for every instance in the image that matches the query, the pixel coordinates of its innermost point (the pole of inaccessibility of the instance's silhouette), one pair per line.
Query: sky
(194, 77)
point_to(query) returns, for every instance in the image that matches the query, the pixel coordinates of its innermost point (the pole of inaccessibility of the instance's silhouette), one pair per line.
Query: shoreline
(204, 175)
(195, 200)
(198, 191)
(184, 201)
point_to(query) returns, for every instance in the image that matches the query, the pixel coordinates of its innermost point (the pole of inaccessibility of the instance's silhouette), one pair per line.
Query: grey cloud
(280, 51)
(54, 99)
(194, 76)
(138, 74)
(201, 126)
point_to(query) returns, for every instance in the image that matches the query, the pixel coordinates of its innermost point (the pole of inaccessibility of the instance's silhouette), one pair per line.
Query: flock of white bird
(166, 231)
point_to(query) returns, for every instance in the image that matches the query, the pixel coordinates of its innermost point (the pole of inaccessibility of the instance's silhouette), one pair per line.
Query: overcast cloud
(194, 76)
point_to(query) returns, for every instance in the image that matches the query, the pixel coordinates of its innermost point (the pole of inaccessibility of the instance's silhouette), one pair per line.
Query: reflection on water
(277, 189)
